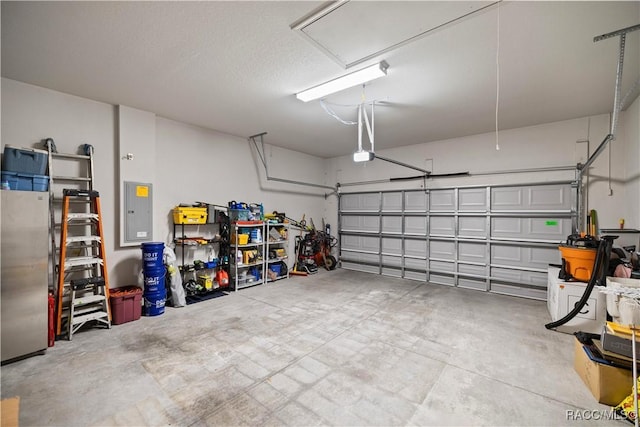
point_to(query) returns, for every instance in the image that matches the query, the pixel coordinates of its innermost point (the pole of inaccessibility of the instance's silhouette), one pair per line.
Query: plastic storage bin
(10, 178)
(239, 214)
(186, 215)
(211, 264)
(24, 160)
(126, 304)
(242, 239)
(276, 268)
(255, 272)
(26, 181)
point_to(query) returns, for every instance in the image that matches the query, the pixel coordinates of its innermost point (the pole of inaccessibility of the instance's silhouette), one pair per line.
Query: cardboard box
(563, 296)
(609, 385)
(9, 411)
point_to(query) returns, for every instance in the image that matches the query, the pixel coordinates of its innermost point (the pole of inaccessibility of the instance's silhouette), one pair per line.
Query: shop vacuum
(576, 255)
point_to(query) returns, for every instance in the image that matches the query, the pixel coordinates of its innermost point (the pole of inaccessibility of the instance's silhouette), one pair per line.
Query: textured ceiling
(356, 30)
(235, 66)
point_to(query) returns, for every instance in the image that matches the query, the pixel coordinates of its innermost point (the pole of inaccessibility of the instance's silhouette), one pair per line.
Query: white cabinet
(562, 297)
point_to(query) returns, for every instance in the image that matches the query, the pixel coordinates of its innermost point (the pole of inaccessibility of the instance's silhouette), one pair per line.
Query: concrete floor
(336, 348)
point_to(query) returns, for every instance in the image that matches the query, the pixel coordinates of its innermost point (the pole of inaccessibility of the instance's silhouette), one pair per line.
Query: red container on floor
(126, 304)
(52, 322)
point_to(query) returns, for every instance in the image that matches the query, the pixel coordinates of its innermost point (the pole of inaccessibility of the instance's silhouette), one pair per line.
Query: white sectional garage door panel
(392, 202)
(492, 238)
(472, 226)
(472, 199)
(533, 198)
(416, 201)
(442, 200)
(415, 226)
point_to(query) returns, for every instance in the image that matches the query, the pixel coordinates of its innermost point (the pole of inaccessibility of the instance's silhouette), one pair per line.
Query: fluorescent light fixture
(341, 83)
(363, 156)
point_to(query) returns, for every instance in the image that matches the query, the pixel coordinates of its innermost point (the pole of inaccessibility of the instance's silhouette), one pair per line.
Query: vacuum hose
(600, 266)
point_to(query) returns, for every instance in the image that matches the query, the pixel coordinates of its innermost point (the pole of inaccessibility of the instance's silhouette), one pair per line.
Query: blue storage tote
(24, 160)
(211, 264)
(11, 178)
(276, 268)
(26, 181)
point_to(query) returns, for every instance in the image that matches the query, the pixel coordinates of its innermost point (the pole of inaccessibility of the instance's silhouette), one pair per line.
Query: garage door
(494, 238)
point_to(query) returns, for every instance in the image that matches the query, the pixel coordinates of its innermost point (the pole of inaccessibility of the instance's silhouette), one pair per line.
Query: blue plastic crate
(40, 182)
(256, 272)
(11, 178)
(276, 268)
(24, 160)
(211, 264)
(26, 181)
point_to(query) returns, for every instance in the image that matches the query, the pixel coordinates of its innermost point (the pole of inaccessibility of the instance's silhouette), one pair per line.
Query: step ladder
(66, 170)
(83, 284)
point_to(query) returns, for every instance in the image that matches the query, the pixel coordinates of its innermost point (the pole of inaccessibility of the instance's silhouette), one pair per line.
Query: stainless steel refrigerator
(24, 280)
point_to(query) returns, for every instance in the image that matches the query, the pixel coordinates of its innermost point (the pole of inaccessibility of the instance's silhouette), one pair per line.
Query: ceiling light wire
(333, 114)
(497, 77)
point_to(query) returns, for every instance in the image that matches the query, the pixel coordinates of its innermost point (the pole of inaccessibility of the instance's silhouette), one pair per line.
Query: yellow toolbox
(186, 215)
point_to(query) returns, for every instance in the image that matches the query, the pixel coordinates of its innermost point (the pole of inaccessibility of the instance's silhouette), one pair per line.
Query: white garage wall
(196, 164)
(136, 142)
(631, 120)
(221, 167)
(548, 145)
(192, 164)
(31, 113)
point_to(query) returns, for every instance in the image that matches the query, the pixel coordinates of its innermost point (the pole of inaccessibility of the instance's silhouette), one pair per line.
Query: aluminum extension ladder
(65, 171)
(83, 283)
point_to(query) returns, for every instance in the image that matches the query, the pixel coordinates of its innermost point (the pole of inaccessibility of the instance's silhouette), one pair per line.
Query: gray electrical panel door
(138, 209)
(492, 238)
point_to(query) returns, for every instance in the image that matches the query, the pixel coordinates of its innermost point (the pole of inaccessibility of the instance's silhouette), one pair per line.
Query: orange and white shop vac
(578, 265)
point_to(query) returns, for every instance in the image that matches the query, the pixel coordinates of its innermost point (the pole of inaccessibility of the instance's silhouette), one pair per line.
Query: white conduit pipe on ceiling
(263, 159)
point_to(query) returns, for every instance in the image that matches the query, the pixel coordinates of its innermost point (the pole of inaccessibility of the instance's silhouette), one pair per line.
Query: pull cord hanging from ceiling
(497, 77)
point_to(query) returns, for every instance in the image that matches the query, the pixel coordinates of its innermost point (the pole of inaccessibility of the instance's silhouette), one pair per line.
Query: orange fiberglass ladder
(83, 284)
